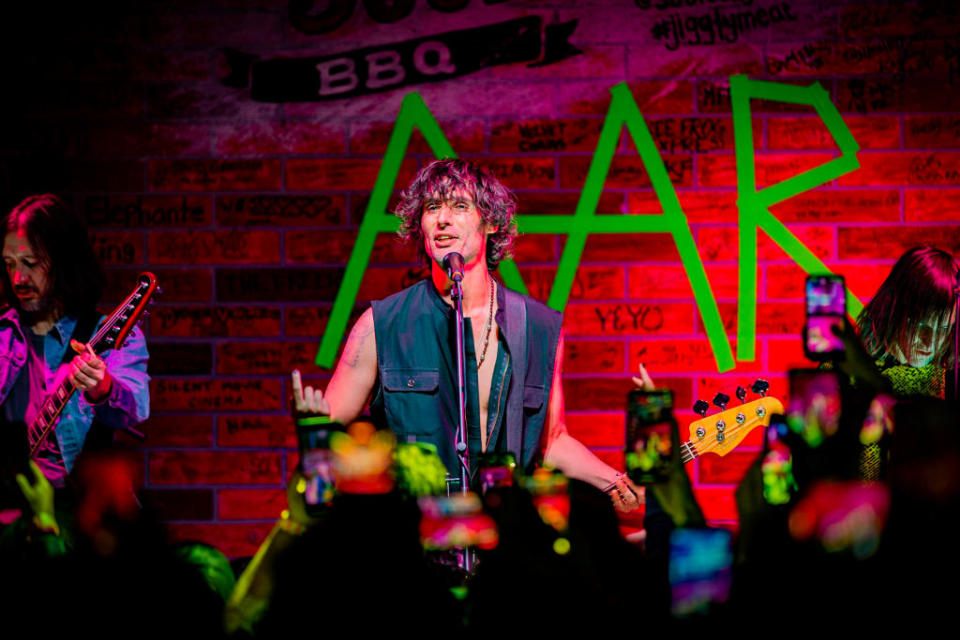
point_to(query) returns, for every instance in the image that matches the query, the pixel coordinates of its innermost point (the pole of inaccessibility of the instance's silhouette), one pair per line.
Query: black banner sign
(374, 69)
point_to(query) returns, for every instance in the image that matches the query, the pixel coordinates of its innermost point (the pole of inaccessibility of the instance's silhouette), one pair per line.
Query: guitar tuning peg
(701, 406)
(741, 394)
(760, 386)
(721, 400)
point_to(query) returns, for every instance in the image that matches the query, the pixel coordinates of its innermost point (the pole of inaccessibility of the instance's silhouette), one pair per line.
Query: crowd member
(400, 354)
(52, 283)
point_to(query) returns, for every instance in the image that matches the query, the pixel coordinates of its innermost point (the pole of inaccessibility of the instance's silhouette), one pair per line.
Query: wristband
(313, 421)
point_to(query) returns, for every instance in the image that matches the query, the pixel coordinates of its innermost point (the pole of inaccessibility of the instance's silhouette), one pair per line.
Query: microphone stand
(462, 450)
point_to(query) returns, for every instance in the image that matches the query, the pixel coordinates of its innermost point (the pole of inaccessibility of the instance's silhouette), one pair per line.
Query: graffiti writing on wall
(623, 112)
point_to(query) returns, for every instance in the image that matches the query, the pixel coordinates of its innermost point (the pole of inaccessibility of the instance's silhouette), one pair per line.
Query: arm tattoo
(351, 352)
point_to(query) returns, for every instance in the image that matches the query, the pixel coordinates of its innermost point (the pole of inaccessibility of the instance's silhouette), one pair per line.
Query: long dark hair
(76, 279)
(921, 288)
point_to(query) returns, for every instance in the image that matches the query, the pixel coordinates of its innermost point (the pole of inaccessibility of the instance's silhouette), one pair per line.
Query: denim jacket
(127, 404)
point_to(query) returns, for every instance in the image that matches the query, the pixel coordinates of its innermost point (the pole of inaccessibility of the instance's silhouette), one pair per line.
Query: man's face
(454, 225)
(28, 271)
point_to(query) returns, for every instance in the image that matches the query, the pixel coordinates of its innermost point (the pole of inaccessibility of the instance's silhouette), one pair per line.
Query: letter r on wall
(754, 205)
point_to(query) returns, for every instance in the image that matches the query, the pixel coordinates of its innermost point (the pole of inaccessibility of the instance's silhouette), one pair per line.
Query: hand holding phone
(826, 305)
(649, 440)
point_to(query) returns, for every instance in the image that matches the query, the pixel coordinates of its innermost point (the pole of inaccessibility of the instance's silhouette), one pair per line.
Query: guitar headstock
(126, 316)
(722, 432)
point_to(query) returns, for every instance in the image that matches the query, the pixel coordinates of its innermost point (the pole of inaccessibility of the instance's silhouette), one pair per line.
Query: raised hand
(643, 381)
(307, 401)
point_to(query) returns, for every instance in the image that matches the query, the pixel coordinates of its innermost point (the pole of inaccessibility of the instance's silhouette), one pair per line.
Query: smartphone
(496, 470)
(649, 441)
(826, 302)
(549, 491)
(815, 403)
(779, 484)
(316, 461)
(455, 521)
(700, 570)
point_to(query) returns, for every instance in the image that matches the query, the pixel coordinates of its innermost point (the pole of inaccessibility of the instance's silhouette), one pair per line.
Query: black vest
(415, 394)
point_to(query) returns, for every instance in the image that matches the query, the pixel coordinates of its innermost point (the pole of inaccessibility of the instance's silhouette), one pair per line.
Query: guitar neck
(687, 452)
(52, 405)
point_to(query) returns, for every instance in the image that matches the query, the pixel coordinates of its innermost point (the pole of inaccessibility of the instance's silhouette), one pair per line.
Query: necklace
(486, 339)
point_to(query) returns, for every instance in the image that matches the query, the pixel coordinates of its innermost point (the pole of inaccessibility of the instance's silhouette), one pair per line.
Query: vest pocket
(532, 398)
(416, 380)
(412, 401)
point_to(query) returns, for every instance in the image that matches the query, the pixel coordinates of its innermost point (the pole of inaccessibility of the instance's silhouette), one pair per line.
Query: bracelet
(613, 485)
(313, 421)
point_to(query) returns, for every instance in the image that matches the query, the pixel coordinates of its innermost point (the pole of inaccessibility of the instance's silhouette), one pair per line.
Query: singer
(401, 353)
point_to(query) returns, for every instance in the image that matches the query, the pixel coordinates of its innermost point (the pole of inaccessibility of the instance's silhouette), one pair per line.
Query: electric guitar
(111, 335)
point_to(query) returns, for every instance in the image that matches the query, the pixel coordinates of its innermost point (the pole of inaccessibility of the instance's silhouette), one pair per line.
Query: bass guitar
(722, 432)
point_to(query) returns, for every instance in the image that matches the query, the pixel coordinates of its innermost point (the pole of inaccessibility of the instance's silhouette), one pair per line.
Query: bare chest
(486, 348)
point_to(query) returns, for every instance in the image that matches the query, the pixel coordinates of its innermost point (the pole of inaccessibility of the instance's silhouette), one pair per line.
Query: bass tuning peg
(760, 386)
(721, 400)
(741, 394)
(701, 406)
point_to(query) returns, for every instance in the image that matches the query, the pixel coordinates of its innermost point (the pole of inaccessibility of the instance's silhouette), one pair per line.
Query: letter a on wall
(623, 112)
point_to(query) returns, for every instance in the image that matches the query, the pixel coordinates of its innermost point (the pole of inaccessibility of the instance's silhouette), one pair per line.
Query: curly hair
(76, 278)
(921, 288)
(496, 204)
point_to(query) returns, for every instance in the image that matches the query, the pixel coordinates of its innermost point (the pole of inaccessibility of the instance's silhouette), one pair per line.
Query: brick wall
(247, 210)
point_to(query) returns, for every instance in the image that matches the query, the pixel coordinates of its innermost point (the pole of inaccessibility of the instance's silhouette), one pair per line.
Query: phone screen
(649, 446)
(814, 408)
(496, 470)
(700, 569)
(453, 521)
(316, 462)
(826, 307)
(777, 465)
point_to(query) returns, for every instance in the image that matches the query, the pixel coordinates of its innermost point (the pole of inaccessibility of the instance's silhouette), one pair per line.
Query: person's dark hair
(76, 279)
(496, 204)
(921, 288)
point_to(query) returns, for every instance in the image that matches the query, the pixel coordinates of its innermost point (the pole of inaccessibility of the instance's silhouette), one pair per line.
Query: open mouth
(443, 238)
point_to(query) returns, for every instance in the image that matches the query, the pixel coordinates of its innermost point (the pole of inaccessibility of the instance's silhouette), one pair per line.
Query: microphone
(453, 264)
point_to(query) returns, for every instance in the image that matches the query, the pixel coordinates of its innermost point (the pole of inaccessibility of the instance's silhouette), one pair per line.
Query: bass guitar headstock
(722, 432)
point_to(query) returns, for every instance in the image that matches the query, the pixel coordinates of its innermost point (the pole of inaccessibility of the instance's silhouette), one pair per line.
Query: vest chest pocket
(532, 398)
(412, 401)
(415, 380)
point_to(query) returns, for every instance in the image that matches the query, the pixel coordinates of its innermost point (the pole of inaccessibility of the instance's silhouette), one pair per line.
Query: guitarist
(52, 282)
